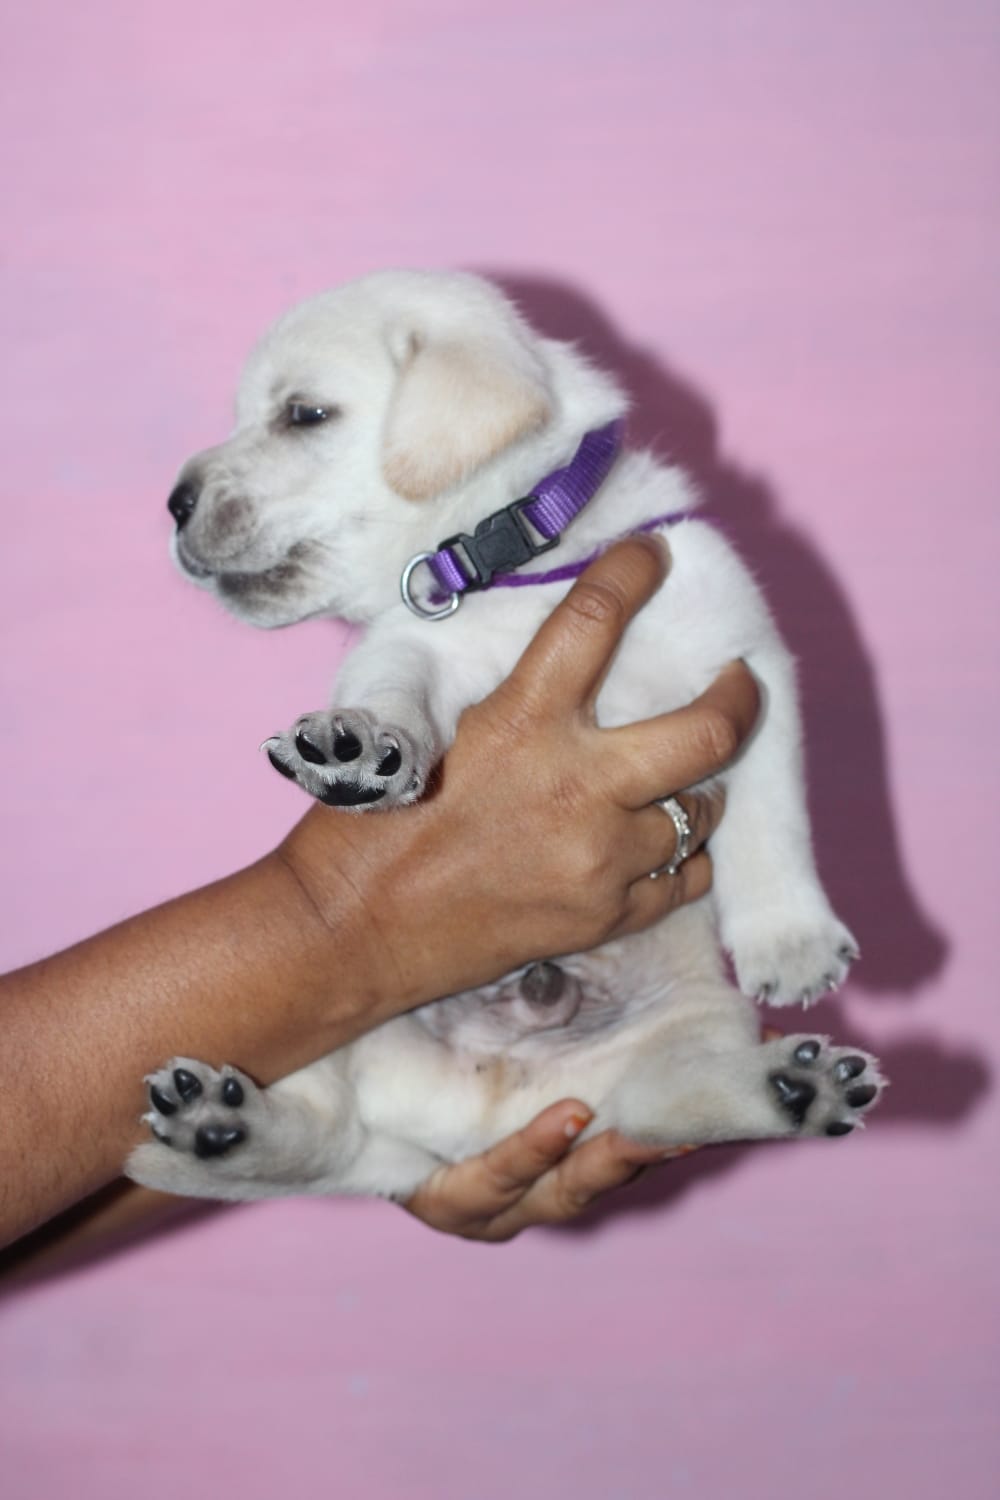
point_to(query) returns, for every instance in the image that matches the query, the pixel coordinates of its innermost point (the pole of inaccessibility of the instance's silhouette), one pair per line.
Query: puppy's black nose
(182, 502)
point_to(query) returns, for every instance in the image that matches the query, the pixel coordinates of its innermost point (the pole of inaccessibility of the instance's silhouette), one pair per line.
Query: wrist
(381, 891)
(339, 877)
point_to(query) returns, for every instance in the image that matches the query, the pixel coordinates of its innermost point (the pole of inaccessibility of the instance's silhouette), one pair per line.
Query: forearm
(245, 969)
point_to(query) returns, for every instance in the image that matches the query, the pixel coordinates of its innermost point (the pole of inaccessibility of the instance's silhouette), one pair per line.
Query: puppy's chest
(665, 659)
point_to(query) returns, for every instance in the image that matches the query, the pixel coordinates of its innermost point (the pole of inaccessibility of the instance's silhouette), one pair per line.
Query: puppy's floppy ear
(457, 404)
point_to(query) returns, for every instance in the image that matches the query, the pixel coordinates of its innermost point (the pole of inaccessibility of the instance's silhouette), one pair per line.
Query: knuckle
(598, 603)
(719, 736)
(600, 887)
(570, 1199)
(592, 857)
(507, 715)
(499, 1175)
(694, 879)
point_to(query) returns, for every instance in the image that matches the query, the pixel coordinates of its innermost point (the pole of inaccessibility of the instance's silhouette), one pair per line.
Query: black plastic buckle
(499, 544)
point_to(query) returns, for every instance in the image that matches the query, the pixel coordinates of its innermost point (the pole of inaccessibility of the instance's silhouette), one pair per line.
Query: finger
(599, 1166)
(658, 756)
(478, 1189)
(651, 900)
(654, 835)
(562, 668)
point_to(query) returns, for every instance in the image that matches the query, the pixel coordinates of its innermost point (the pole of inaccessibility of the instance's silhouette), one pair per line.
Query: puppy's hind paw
(345, 758)
(818, 1089)
(198, 1109)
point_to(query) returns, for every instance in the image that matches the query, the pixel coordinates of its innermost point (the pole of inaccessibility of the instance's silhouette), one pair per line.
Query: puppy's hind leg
(217, 1135)
(798, 1086)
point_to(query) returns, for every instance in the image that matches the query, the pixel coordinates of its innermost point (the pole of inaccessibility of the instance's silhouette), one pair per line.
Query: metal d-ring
(414, 604)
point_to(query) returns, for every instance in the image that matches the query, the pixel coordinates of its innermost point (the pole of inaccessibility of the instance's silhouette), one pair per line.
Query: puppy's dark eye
(301, 414)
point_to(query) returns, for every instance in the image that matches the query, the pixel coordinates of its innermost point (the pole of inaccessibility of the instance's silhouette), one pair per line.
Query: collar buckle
(500, 543)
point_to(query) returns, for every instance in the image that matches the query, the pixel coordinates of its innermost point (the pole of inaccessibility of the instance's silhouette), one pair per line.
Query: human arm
(399, 908)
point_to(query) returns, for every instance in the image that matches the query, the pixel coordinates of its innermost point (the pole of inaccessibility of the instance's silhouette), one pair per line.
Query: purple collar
(574, 569)
(514, 535)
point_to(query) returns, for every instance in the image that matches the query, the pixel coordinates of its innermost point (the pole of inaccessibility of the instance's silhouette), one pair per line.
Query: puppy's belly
(452, 1104)
(459, 1075)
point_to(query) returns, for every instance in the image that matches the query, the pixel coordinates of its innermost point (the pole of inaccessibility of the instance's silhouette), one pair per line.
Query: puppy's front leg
(786, 942)
(379, 747)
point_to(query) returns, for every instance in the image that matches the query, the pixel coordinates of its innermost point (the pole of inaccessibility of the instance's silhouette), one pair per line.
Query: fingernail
(577, 1122)
(675, 1151)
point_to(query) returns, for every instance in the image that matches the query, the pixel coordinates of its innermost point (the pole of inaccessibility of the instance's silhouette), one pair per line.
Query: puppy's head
(362, 416)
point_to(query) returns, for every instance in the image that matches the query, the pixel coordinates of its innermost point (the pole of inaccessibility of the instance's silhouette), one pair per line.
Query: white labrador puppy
(372, 422)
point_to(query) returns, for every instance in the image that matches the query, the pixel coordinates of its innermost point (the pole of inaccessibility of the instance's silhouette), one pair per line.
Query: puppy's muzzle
(183, 501)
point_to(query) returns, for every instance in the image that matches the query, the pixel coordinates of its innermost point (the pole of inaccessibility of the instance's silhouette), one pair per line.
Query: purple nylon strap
(574, 569)
(549, 509)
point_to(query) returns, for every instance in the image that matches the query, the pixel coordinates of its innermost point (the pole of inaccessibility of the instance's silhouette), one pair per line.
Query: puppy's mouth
(250, 587)
(191, 565)
(222, 572)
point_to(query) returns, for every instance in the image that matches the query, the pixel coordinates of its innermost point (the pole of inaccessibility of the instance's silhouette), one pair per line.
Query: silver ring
(413, 604)
(682, 827)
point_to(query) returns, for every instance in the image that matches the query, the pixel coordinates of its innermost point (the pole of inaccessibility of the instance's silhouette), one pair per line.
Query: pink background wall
(776, 219)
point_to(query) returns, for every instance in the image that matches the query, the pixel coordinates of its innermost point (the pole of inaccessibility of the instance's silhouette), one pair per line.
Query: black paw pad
(858, 1097)
(807, 1052)
(279, 765)
(839, 1127)
(794, 1096)
(159, 1100)
(390, 762)
(346, 746)
(849, 1067)
(186, 1084)
(232, 1092)
(216, 1140)
(308, 750)
(343, 795)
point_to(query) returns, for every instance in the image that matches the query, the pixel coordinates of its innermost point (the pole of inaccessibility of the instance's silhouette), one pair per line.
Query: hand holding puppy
(541, 834)
(532, 844)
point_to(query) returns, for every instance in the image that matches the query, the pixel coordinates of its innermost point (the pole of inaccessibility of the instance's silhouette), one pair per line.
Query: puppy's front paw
(793, 960)
(346, 758)
(818, 1089)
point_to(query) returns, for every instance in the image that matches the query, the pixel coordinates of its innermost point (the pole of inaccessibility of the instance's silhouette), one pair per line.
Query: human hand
(540, 836)
(532, 1177)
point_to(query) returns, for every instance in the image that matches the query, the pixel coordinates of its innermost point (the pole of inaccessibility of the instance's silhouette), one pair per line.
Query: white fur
(448, 406)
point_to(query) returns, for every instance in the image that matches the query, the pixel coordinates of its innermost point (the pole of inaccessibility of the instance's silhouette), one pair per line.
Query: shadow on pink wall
(851, 806)
(935, 1081)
